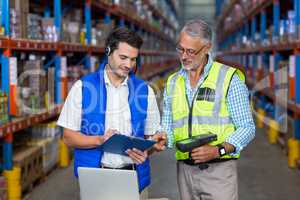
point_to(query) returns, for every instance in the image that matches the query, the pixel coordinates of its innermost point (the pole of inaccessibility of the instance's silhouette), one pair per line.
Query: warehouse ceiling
(204, 9)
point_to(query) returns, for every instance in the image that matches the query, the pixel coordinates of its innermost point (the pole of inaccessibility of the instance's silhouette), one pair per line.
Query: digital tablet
(120, 143)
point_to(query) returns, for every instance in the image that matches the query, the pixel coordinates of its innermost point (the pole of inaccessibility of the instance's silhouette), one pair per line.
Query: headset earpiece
(107, 51)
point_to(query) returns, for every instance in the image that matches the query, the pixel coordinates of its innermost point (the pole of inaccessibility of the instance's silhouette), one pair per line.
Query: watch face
(222, 151)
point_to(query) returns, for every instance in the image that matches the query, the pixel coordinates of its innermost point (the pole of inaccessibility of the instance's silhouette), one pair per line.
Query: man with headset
(108, 101)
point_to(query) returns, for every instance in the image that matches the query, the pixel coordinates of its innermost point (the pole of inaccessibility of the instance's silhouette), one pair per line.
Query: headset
(107, 51)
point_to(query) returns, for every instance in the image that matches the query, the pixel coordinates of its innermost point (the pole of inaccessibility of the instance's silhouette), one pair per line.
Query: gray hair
(198, 28)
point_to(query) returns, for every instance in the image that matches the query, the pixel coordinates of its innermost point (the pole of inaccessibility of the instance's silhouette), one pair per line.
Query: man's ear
(208, 47)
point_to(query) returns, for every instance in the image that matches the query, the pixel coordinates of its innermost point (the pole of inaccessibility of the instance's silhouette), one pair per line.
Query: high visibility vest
(208, 112)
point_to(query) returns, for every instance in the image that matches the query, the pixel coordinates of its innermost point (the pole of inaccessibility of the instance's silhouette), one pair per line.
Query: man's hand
(161, 139)
(108, 134)
(205, 153)
(137, 156)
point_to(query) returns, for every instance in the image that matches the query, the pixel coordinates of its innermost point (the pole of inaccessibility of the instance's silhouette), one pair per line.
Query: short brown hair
(122, 34)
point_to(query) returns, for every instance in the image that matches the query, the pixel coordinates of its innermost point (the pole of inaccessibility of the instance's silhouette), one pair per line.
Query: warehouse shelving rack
(254, 59)
(9, 45)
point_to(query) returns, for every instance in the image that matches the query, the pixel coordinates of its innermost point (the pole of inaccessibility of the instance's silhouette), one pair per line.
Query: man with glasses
(205, 96)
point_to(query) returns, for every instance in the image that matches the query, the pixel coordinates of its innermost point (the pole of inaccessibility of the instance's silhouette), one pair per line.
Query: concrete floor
(263, 175)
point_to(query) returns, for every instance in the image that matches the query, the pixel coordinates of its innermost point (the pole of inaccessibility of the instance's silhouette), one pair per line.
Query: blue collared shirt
(238, 105)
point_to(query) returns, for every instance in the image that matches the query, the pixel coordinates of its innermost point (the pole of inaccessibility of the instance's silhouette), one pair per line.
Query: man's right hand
(106, 136)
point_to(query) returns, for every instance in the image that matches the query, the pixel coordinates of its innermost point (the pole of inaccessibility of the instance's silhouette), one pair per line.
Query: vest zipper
(190, 120)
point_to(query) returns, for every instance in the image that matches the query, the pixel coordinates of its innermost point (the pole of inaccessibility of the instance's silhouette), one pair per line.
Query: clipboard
(118, 144)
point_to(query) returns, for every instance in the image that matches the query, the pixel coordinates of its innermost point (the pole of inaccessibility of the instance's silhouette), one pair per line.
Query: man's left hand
(161, 139)
(205, 153)
(137, 156)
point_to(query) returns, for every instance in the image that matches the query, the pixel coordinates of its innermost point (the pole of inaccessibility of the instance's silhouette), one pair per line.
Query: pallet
(30, 160)
(26, 193)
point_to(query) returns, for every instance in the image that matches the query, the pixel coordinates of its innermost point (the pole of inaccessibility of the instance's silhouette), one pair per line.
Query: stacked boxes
(30, 161)
(15, 23)
(74, 73)
(32, 87)
(18, 15)
(28, 25)
(102, 30)
(18, 18)
(36, 87)
(50, 153)
(44, 131)
(34, 28)
(47, 137)
(37, 83)
(72, 26)
(36, 151)
(3, 108)
(291, 26)
(49, 30)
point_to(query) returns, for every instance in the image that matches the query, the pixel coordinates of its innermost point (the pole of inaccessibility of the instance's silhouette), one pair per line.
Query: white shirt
(117, 115)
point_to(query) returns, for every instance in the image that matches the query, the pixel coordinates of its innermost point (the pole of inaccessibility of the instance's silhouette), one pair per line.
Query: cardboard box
(15, 4)
(34, 29)
(73, 29)
(24, 24)
(49, 30)
(102, 32)
(20, 5)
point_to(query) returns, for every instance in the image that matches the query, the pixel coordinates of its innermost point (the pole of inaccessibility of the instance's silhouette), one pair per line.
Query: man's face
(123, 59)
(192, 51)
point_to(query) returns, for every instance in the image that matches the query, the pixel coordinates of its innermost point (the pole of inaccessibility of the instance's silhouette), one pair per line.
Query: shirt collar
(108, 82)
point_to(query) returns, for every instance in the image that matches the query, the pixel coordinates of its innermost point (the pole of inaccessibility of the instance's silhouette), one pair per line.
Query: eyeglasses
(189, 52)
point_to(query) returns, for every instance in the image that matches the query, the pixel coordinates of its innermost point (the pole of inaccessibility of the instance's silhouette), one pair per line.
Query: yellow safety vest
(209, 112)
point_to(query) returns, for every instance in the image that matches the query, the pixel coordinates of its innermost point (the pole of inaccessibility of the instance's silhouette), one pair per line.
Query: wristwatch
(222, 150)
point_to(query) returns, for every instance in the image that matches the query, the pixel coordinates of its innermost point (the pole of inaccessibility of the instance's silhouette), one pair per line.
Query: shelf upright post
(252, 35)
(107, 19)
(122, 23)
(47, 12)
(297, 16)
(6, 17)
(280, 93)
(132, 27)
(6, 54)
(88, 19)
(263, 27)
(292, 58)
(271, 70)
(276, 19)
(247, 57)
(295, 85)
(8, 152)
(292, 74)
(88, 26)
(239, 40)
(218, 7)
(58, 82)
(243, 56)
(5, 86)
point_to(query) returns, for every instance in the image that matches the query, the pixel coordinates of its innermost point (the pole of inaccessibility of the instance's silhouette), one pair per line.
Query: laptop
(107, 184)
